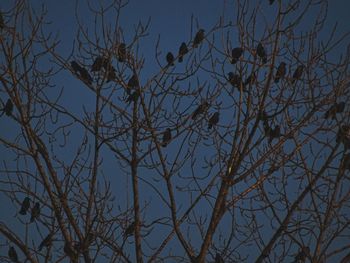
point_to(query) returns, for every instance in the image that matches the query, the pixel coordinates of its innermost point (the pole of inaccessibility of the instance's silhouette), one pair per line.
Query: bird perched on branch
(132, 83)
(235, 80)
(133, 97)
(343, 136)
(8, 107)
(260, 50)
(122, 52)
(274, 133)
(35, 213)
(214, 119)
(130, 230)
(81, 72)
(200, 110)
(46, 242)
(25, 206)
(334, 109)
(303, 253)
(298, 73)
(236, 54)
(170, 59)
(2, 23)
(199, 37)
(183, 50)
(98, 63)
(281, 72)
(250, 80)
(218, 258)
(166, 137)
(13, 254)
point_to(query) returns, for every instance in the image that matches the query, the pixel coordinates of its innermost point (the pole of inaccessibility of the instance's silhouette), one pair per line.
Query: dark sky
(170, 19)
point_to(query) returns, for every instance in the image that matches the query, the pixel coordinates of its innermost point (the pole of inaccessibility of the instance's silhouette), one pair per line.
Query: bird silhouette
(260, 50)
(219, 259)
(281, 72)
(25, 206)
(343, 136)
(13, 254)
(170, 59)
(46, 242)
(8, 107)
(132, 83)
(130, 230)
(333, 110)
(236, 54)
(97, 65)
(200, 110)
(2, 23)
(214, 119)
(35, 213)
(199, 37)
(303, 253)
(122, 52)
(274, 133)
(81, 72)
(133, 97)
(298, 73)
(183, 50)
(166, 137)
(250, 80)
(111, 75)
(76, 67)
(235, 80)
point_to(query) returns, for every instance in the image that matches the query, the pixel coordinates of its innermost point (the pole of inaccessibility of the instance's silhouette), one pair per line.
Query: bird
(260, 50)
(303, 253)
(170, 59)
(122, 52)
(2, 23)
(133, 82)
(35, 212)
(343, 136)
(130, 230)
(200, 110)
(111, 74)
(235, 80)
(25, 206)
(346, 162)
(133, 97)
(13, 254)
(297, 73)
(281, 72)
(76, 67)
(166, 137)
(250, 80)
(97, 65)
(333, 110)
(183, 50)
(218, 258)
(271, 2)
(84, 74)
(46, 242)
(214, 119)
(198, 38)
(340, 107)
(8, 107)
(236, 54)
(274, 133)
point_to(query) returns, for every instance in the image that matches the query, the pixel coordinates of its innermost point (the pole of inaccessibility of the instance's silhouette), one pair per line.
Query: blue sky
(171, 20)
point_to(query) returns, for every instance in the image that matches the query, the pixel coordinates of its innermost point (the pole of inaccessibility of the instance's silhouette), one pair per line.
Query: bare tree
(232, 147)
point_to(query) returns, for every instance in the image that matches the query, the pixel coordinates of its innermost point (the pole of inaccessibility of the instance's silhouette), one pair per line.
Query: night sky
(170, 22)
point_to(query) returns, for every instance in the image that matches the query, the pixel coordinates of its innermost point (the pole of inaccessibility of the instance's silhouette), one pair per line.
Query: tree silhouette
(237, 154)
